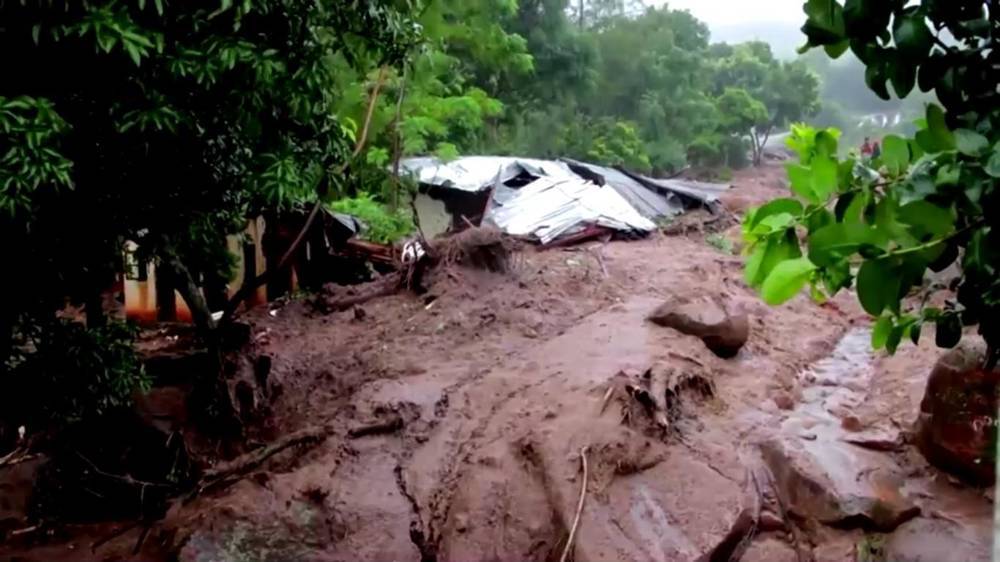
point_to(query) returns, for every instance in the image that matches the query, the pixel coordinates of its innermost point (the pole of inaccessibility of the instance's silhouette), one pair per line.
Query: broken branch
(392, 425)
(249, 287)
(234, 470)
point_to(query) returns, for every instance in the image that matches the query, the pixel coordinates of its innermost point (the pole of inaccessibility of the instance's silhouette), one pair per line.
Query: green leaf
(875, 79)
(949, 331)
(835, 50)
(993, 164)
(947, 175)
(877, 285)
(776, 250)
(912, 36)
(895, 154)
(800, 180)
(831, 244)
(880, 332)
(903, 75)
(825, 25)
(865, 18)
(783, 205)
(970, 142)
(936, 137)
(824, 178)
(895, 336)
(786, 280)
(819, 218)
(915, 333)
(927, 218)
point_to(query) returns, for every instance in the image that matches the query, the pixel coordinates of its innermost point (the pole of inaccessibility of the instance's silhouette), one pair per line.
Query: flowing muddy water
(835, 385)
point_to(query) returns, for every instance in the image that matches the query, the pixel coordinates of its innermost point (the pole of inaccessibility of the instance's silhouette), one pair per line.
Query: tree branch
(249, 287)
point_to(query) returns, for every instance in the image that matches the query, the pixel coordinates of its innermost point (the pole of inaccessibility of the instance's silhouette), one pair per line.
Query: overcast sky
(729, 12)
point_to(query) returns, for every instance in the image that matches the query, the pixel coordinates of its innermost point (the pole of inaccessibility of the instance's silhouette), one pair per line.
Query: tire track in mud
(441, 499)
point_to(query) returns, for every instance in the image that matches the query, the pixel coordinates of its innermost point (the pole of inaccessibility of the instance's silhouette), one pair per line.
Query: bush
(385, 226)
(70, 373)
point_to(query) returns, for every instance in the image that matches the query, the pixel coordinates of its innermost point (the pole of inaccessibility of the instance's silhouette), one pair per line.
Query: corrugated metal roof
(551, 207)
(703, 192)
(649, 203)
(478, 173)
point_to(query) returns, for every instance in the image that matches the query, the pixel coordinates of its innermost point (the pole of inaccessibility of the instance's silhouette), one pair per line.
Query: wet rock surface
(957, 427)
(705, 317)
(937, 540)
(836, 483)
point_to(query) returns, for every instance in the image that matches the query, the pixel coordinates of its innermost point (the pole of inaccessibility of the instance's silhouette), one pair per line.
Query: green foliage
(168, 126)
(384, 225)
(928, 204)
(721, 243)
(68, 373)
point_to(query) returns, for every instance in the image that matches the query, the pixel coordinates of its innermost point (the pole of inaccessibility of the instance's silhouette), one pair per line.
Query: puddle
(836, 384)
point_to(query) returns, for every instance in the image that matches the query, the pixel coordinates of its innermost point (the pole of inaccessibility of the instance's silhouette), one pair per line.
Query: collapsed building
(549, 201)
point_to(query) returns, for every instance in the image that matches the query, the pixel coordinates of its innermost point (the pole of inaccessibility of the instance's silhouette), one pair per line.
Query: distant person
(866, 148)
(876, 150)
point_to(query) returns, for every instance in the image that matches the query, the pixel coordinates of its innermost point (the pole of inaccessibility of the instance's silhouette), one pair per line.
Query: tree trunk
(190, 291)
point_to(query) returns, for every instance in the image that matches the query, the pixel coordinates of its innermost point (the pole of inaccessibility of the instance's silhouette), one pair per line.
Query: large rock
(957, 426)
(705, 317)
(836, 483)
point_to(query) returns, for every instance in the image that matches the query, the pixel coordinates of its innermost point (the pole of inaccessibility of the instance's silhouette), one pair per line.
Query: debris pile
(550, 201)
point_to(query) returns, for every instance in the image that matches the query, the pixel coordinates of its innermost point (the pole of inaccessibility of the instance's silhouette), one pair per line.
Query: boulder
(706, 318)
(835, 483)
(957, 426)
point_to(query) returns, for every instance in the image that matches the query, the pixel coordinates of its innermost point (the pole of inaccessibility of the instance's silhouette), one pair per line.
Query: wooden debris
(392, 425)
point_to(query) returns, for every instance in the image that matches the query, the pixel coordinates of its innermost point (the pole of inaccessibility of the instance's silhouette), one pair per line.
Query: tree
(167, 124)
(789, 91)
(929, 202)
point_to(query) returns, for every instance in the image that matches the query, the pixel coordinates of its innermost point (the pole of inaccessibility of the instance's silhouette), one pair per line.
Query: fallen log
(392, 425)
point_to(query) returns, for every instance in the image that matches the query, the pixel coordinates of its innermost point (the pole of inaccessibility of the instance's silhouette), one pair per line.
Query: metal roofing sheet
(551, 207)
(649, 203)
(477, 173)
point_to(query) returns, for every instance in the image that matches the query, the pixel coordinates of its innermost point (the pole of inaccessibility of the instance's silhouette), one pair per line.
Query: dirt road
(495, 383)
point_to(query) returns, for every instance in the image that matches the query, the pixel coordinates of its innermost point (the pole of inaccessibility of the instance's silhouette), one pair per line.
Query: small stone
(852, 424)
(770, 522)
(783, 400)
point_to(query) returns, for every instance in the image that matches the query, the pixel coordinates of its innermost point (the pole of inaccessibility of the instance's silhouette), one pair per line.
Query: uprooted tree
(166, 123)
(928, 202)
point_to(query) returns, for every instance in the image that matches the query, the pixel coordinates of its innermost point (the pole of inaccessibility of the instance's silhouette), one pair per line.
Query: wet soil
(499, 384)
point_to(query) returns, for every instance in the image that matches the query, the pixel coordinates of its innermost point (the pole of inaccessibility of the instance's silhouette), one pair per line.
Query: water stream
(835, 385)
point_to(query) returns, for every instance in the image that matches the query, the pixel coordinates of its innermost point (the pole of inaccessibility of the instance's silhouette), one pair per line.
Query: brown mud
(484, 391)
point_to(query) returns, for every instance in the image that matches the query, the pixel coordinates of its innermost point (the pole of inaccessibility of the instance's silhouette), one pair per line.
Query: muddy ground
(490, 386)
